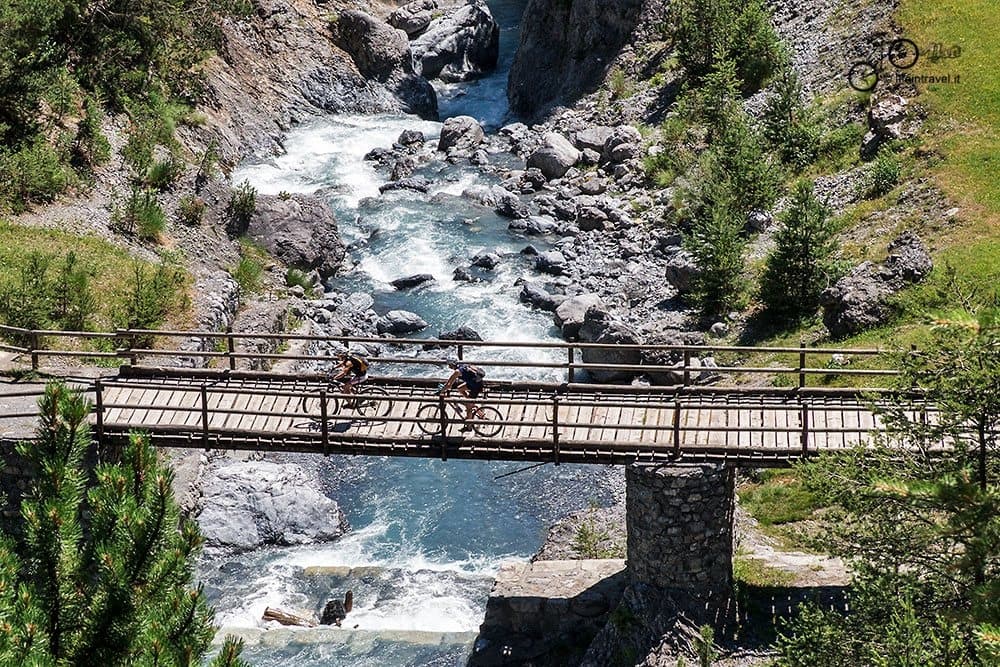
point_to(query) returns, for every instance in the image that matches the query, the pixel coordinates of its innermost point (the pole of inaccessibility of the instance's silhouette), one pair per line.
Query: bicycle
(368, 400)
(902, 53)
(486, 421)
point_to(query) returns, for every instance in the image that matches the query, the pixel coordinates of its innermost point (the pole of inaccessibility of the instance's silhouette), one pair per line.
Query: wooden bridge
(525, 419)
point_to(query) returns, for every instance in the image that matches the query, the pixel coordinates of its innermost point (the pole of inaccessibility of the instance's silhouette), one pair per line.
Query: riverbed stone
(552, 262)
(400, 322)
(571, 313)
(300, 230)
(555, 157)
(461, 44)
(461, 132)
(412, 281)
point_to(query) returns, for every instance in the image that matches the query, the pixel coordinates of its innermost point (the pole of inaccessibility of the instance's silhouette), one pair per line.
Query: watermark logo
(902, 54)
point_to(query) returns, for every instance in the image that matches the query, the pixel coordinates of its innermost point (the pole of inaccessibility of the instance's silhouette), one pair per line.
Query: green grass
(778, 498)
(112, 266)
(753, 572)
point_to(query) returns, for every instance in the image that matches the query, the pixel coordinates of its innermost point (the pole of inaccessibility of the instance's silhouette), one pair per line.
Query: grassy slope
(111, 266)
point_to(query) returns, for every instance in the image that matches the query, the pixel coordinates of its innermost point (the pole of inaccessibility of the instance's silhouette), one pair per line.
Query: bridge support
(679, 520)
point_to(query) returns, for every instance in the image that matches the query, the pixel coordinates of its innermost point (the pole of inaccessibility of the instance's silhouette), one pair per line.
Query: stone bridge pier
(679, 520)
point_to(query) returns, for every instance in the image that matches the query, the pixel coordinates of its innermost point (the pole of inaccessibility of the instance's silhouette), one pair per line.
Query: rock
(591, 218)
(462, 44)
(463, 275)
(887, 121)
(460, 132)
(380, 154)
(621, 145)
(334, 613)
(486, 260)
(382, 53)
(680, 271)
(554, 157)
(300, 231)
(359, 302)
(412, 281)
(593, 137)
(571, 313)
(461, 333)
(410, 138)
(535, 225)
(400, 322)
(552, 262)
(529, 250)
(599, 327)
(414, 17)
(247, 505)
(415, 183)
(534, 294)
(860, 300)
(719, 329)
(508, 204)
(565, 49)
(759, 221)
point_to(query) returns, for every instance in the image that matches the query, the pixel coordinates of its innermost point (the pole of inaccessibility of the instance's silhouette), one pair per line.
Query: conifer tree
(102, 573)
(800, 266)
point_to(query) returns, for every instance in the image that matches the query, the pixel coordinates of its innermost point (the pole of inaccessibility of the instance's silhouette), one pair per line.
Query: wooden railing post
(99, 410)
(230, 348)
(323, 425)
(204, 416)
(461, 352)
(570, 371)
(802, 364)
(805, 430)
(687, 367)
(443, 418)
(35, 341)
(555, 427)
(677, 429)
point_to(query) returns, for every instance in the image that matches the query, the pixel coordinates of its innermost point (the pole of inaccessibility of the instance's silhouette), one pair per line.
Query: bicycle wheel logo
(901, 53)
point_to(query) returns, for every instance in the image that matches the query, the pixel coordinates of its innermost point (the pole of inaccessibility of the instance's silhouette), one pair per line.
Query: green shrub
(789, 128)
(241, 207)
(26, 298)
(247, 274)
(717, 243)
(162, 174)
(881, 176)
(618, 84)
(35, 173)
(141, 215)
(800, 266)
(151, 294)
(191, 210)
(295, 277)
(207, 166)
(738, 156)
(91, 147)
(74, 300)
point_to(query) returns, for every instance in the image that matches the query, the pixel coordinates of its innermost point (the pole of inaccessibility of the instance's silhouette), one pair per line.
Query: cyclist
(468, 380)
(351, 369)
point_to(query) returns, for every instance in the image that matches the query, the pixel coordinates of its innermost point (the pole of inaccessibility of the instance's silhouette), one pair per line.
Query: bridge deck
(602, 426)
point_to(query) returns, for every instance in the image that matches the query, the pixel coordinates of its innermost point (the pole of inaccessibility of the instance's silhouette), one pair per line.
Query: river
(427, 536)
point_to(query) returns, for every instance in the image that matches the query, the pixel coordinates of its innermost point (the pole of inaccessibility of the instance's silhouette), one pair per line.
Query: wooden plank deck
(596, 427)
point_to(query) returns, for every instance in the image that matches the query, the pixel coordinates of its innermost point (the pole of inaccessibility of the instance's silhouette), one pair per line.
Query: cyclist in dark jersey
(468, 380)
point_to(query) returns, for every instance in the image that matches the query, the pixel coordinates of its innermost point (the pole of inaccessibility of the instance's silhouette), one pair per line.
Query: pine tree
(919, 525)
(800, 266)
(789, 127)
(716, 241)
(102, 573)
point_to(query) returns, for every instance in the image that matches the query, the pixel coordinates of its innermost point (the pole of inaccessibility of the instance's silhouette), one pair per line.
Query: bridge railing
(683, 363)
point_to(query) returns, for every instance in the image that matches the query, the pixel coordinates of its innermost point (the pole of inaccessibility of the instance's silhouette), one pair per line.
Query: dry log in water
(287, 618)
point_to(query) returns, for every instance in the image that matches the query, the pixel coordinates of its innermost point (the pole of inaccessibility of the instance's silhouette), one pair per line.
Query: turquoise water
(428, 536)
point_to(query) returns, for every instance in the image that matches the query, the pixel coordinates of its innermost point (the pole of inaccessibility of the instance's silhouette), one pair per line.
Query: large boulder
(860, 300)
(622, 144)
(462, 44)
(300, 230)
(680, 270)
(461, 132)
(537, 296)
(566, 46)
(552, 262)
(571, 313)
(414, 17)
(248, 505)
(382, 53)
(600, 327)
(555, 157)
(398, 322)
(408, 282)
(593, 137)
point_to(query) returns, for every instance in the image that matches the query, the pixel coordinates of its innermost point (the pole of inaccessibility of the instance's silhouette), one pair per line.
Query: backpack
(476, 371)
(360, 363)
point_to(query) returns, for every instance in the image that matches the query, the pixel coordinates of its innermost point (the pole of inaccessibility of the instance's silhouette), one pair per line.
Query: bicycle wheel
(903, 53)
(309, 404)
(863, 76)
(372, 407)
(429, 417)
(487, 422)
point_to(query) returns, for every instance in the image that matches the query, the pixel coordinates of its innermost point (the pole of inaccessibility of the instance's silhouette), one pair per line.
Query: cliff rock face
(565, 49)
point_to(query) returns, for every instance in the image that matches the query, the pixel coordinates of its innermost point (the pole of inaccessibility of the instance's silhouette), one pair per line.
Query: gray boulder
(590, 218)
(680, 271)
(860, 300)
(412, 281)
(502, 201)
(400, 322)
(382, 53)
(462, 132)
(414, 17)
(555, 157)
(486, 260)
(248, 505)
(535, 225)
(462, 44)
(599, 327)
(552, 262)
(537, 296)
(415, 183)
(299, 230)
(620, 136)
(410, 138)
(593, 137)
(571, 313)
